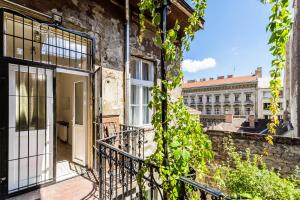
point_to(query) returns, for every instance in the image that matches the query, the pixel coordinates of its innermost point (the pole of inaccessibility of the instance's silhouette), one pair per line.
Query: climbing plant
(280, 26)
(183, 143)
(188, 148)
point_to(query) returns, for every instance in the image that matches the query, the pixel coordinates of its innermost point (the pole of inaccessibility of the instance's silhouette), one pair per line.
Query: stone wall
(284, 155)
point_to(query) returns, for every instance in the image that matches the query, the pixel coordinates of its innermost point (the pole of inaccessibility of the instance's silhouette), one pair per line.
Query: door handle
(2, 179)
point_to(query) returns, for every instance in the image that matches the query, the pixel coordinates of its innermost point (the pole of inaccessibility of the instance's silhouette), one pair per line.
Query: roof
(237, 79)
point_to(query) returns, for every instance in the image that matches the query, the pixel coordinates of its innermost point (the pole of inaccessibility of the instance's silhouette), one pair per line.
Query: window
(217, 110)
(248, 111)
(266, 116)
(248, 97)
(185, 100)
(236, 111)
(266, 106)
(267, 94)
(226, 97)
(207, 99)
(217, 98)
(236, 97)
(192, 100)
(208, 111)
(142, 77)
(226, 109)
(27, 39)
(280, 106)
(200, 99)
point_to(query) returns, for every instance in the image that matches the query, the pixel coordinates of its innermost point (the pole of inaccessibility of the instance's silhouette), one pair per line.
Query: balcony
(121, 156)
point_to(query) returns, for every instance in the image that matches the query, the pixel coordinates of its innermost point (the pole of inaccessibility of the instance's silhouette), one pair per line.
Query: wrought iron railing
(121, 157)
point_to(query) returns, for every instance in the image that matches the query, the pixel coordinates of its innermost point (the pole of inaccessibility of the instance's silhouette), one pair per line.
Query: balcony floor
(80, 187)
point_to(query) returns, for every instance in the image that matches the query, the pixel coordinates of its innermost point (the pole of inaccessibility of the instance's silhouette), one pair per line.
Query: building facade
(224, 95)
(64, 66)
(263, 99)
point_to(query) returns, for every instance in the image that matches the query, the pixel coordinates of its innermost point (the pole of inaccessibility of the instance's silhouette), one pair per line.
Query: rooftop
(221, 81)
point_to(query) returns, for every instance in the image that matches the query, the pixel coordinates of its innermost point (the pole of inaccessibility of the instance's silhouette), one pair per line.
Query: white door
(79, 123)
(30, 127)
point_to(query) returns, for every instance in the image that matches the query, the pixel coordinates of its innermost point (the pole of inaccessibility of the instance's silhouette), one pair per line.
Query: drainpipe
(127, 63)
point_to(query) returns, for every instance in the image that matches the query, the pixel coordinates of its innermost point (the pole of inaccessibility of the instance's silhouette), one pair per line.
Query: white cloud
(198, 65)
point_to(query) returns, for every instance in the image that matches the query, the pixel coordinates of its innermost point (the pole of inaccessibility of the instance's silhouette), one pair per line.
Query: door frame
(4, 95)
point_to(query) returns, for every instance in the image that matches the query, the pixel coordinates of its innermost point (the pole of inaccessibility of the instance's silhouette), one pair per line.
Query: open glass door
(79, 123)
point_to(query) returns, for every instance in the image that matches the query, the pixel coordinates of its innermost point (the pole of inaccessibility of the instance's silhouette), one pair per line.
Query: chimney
(258, 72)
(230, 76)
(251, 120)
(228, 118)
(220, 77)
(191, 81)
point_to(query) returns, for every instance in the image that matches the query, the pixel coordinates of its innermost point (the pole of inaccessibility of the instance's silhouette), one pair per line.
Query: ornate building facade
(224, 95)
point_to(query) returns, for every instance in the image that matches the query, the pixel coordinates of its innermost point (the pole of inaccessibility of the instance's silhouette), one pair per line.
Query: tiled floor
(78, 188)
(65, 168)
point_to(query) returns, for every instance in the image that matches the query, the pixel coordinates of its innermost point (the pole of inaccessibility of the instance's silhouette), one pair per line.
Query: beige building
(263, 99)
(236, 95)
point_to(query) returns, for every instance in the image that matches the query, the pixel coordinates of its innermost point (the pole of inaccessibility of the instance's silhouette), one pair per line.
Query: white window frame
(140, 84)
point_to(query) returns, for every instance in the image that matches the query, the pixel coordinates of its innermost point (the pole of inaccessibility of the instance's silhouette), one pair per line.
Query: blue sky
(234, 37)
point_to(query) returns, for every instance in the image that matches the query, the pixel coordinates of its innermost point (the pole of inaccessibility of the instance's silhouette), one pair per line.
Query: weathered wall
(284, 155)
(292, 73)
(105, 21)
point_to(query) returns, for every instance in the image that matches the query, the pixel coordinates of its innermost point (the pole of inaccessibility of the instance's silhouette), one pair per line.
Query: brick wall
(284, 155)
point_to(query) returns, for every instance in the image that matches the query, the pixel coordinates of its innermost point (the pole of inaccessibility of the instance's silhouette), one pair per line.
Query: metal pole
(163, 26)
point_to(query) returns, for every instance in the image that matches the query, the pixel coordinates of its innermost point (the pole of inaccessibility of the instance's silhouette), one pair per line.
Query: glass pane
(36, 51)
(44, 34)
(146, 115)
(37, 32)
(27, 29)
(146, 95)
(32, 85)
(135, 115)
(147, 76)
(78, 43)
(22, 84)
(18, 26)
(79, 103)
(21, 113)
(84, 62)
(78, 60)
(45, 50)
(28, 50)
(41, 112)
(8, 23)
(18, 48)
(72, 42)
(134, 69)
(134, 94)
(33, 113)
(41, 85)
(9, 51)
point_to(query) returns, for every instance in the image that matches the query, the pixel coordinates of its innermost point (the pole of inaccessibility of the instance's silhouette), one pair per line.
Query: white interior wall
(64, 99)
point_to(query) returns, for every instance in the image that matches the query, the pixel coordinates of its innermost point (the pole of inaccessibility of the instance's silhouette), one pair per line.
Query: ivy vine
(189, 148)
(280, 26)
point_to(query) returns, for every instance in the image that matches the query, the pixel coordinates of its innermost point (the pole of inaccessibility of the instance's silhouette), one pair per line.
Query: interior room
(70, 110)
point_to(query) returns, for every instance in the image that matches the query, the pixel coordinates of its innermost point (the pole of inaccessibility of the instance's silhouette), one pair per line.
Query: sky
(234, 41)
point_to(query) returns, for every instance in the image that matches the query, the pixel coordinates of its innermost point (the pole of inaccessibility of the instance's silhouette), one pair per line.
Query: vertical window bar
(48, 44)
(19, 123)
(28, 107)
(81, 65)
(31, 50)
(45, 113)
(55, 46)
(37, 125)
(14, 46)
(69, 49)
